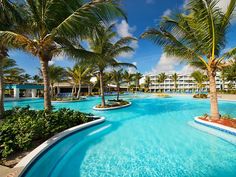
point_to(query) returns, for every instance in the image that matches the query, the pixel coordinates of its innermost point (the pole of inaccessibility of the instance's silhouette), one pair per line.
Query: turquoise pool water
(150, 138)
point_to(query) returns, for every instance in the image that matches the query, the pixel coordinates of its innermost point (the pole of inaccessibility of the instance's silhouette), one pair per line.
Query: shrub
(23, 126)
(200, 96)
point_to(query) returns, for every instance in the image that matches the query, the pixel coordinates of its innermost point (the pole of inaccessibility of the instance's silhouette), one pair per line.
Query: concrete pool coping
(216, 126)
(27, 160)
(112, 108)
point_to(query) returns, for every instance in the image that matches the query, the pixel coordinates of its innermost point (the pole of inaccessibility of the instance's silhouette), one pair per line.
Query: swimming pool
(150, 138)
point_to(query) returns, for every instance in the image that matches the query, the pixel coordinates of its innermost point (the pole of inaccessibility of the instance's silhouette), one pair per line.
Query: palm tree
(37, 79)
(24, 78)
(116, 77)
(47, 32)
(174, 77)
(11, 71)
(56, 74)
(147, 82)
(128, 77)
(197, 35)
(104, 52)
(137, 77)
(161, 78)
(79, 74)
(199, 79)
(9, 14)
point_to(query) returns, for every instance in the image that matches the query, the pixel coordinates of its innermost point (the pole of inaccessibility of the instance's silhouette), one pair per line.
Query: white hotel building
(185, 83)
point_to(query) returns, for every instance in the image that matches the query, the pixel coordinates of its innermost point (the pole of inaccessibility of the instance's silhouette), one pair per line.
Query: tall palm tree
(104, 52)
(79, 74)
(24, 78)
(128, 77)
(161, 78)
(137, 77)
(197, 34)
(37, 79)
(11, 71)
(199, 79)
(9, 15)
(116, 77)
(147, 82)
(56, 74)
(174, 77)
(52, 22)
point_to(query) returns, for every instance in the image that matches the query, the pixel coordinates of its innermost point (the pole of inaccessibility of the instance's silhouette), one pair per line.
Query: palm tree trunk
(46, 82)
(1, 89)
(78, 93)
(213, 96)
(102, 89)
(118, 92)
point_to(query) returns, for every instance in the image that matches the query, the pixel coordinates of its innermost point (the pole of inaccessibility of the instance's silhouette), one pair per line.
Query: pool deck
(9, 172)
(224, 97)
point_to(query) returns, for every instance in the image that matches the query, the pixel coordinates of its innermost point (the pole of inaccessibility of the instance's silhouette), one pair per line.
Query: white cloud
(223, 4)
(124, 30)
(165, 64)
(171, 65)
(150, 1)
(187, 69)
(166, 12)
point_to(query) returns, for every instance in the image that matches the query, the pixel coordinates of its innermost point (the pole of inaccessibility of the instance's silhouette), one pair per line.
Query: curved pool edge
(33, 155)
(216, 126)
(214, 129)
(112, 108)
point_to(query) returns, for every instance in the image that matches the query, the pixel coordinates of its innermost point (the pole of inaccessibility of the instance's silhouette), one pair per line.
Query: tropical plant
(230, 72)
(25, 126)
(79, 74)
(147, 82)
(9, 15)
(199, 78)
(137, 77)
(161, 78)
(197, 35)
(37, 79)
(174, 77)
(24, 78)
(11, 71)
(116, 77)
(48, 32)
(104, 52)
(56, 74)
(128, 78)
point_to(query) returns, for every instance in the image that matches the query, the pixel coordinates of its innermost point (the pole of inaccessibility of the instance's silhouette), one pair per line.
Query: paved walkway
(9, 172)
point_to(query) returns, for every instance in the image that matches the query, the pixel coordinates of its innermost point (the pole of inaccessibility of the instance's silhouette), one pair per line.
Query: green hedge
(22, 127)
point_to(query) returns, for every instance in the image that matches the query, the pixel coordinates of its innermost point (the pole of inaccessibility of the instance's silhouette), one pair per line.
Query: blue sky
(148, 57)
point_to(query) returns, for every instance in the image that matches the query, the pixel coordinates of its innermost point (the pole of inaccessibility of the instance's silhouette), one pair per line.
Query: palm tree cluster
(47, 28)
(197, 35)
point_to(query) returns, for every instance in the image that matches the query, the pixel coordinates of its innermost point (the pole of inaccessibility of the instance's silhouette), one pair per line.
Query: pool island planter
(111, 108)
(69, 101)
(216, 126)
(33, 155)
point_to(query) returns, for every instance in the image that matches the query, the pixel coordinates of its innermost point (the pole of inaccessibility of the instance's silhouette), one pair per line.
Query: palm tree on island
(104, 52)
(116, 77)
(47, 33)
(203, 28)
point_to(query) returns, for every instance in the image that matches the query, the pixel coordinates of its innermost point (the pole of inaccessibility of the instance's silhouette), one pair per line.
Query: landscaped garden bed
(23, 129)
(224, 120)
(201, 96)
(112, 104)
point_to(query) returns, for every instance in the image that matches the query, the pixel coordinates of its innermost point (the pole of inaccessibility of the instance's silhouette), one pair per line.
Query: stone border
(27, 160)
(112, 108)
(216, 126)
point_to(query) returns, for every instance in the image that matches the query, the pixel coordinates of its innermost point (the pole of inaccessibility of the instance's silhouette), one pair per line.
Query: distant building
(185, 83)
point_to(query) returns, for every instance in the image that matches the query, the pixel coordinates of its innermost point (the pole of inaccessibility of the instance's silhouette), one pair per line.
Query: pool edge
(38, 151)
